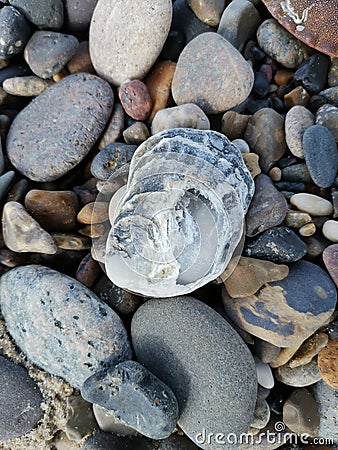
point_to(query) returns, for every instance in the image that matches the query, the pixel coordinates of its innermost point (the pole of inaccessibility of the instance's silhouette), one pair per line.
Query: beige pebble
(330, 230)
(328, 364)
(94, 231)
(251, 162)
(284, 356)
(312, 204)
(308, 350)
(307, 230)
(71, 241)
(297, 219)
(59, 76)
(26, 86)
(94, 212)
(234, 124)
(275, 174)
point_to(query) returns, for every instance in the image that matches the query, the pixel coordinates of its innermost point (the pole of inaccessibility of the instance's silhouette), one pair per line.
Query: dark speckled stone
(111, 158)
(286, 312)
(60, 325)
(108, 441)
(43, 13)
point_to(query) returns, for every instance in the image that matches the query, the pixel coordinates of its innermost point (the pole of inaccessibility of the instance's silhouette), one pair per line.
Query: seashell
(179, 218)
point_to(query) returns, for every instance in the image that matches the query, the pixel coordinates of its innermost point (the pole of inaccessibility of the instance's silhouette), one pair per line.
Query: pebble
(22, 233)
(187, 115)
(330, 230)
(312, 204)
(45, 14)
(321, 155)
(315, 245)
(173, 46)
(135, 99)
(332, 78)
(308, 350)
(128, 25)
(283, 77)
(211, 73)
(78, 14)
(53, 210)
(88, 272)
(111, 158)
(331, 95)
(280, 45)
(20, 400)
(330, 258)
(251, 274)
(269, 146)
(14, 70)
(109, 422)
(312, 74)
(327, 400)
(80, 418)
(14, 32)
(297, 120)
(5, 181)
(327, 115)
(71, 242)
(197, 369)
(209, 11)
(186, 22)
(286, 312)
(300, 413)
(264, 374)
(53, 319)
(159, 83)
(244, 148)
(134, 393)
(51, 118)
(307, 230)
(296, 219)
(261, 85)
(262, 415)
(234, 124)
(251, 161)
(81, 62)
(284, 356)
(268, 207)
(30, 86)
(94, 231)
(114, 128)
(109, 441)
(265, 351)
(239, 23)
(92, 213)
(298, 96)
(136, 134)
(297, 173)
(299, 376)
(328, 363)
(47, 52)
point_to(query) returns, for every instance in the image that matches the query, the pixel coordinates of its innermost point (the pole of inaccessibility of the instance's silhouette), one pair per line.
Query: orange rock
(328, 364)
(158, 83)
(283, 77)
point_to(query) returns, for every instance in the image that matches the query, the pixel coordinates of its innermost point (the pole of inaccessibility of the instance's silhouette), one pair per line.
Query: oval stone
(297, 120)
(60, 325)
(126, 37)
(56, 130)
(212, 74)
(286, 312)
(321, 155)
(202, 359)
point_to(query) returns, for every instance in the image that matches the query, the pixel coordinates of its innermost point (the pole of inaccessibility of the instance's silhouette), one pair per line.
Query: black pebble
(312, 74)
(14, 32)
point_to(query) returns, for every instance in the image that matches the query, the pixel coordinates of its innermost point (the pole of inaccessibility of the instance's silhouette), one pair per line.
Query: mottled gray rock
(286, 312)
(14, 32)
(297, 120)
(110, 159)
(20, 400)
(321, 155)
(30, 86)
(140, 400)
(239, 23)
(78, 14)
(327, 400)
(268, 207)
(136, 134)
(327, 115)
(45, 14)
(60, 325)
(70, 116)
(262, 414)
(331, 95)
(198, 370)
(300, 413)
(47, 52)
(5, 181)
(117, 37)
(270, 146)
(281, 45)
(211, 73)
(299, 376)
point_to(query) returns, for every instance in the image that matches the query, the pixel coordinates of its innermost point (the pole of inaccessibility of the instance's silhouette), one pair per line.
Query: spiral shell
(178, 220)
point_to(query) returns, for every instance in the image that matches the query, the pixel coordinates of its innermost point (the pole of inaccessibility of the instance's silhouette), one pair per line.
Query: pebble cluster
(86, 89)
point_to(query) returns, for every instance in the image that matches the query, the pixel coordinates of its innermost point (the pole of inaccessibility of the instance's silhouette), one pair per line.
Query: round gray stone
(299, 376)
(297, 120)
(57, 129)
(122, 39)
(215, 384)
(60, 325)
(20, 400)
(110, 159)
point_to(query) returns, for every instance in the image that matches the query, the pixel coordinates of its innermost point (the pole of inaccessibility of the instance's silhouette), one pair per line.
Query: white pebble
(330, 230)
(264, 374)
(312, 204)
(307, 230)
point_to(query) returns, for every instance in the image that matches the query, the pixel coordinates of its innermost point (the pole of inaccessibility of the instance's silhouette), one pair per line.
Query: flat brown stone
(328, 364)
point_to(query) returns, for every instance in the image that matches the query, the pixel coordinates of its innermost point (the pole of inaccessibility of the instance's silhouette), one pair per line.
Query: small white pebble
(307, 230)
(264, 374)
(330, 230)
(312, 204)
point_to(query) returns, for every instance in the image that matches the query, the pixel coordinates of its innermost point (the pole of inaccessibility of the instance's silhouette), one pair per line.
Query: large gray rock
(327, 400)
(60, 325)
(198, 354)
(57, 129)
(126, 37)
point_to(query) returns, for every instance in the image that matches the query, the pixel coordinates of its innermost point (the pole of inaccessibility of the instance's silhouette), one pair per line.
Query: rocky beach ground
(169, 241)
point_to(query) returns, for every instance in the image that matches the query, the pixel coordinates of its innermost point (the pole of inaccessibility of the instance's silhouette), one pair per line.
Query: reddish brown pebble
(330, 257)
(135, 99)
(275, 174)
(54, 210)
(159, 85)
(283, 77)
(81, 61)
(328, 363)
(297, 96)
(89, 271)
